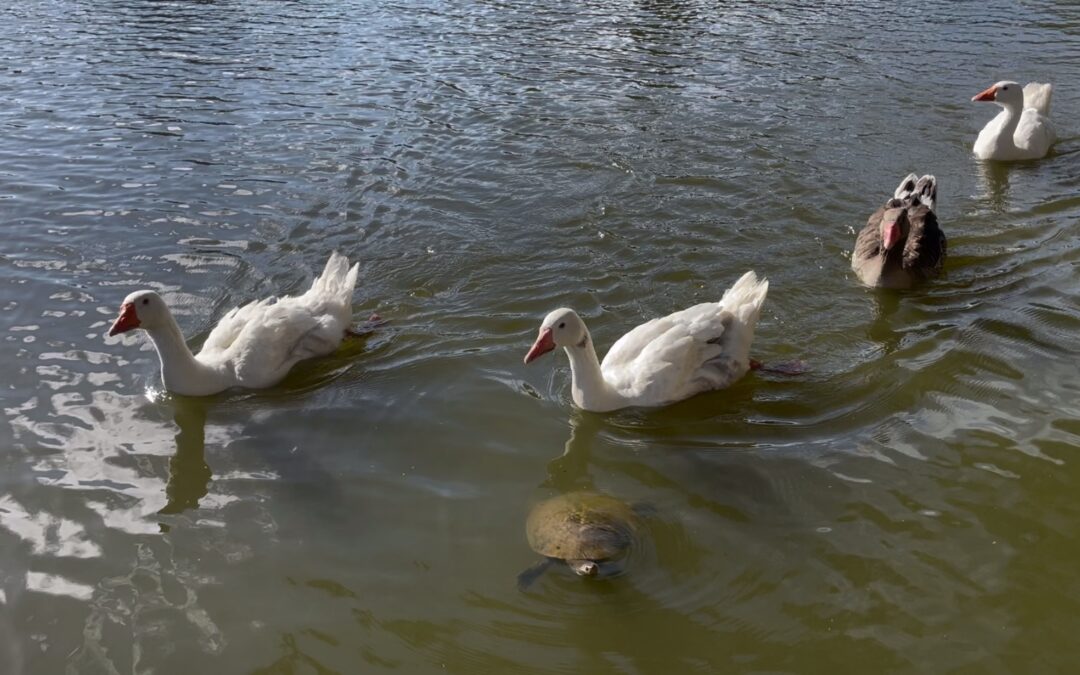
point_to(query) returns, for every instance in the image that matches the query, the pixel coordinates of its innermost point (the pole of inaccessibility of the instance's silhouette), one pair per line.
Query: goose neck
(1010, 120)
(589, 388)
(181, 372)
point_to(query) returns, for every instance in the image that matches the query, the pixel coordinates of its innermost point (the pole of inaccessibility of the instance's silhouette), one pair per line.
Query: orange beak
(987, 95)
(127, 320)
(544, 344)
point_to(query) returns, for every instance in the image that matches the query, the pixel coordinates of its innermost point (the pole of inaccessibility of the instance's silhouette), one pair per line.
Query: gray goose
(901, 244)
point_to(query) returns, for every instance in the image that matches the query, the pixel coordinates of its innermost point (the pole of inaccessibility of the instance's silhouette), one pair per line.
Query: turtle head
(584, 568)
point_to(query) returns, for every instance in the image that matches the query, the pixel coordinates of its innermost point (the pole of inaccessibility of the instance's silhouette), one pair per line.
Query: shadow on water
(657, 461)
(189, 473)
(303, 475)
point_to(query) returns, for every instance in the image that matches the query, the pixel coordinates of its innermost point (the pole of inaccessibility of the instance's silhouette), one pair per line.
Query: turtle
(586, 530)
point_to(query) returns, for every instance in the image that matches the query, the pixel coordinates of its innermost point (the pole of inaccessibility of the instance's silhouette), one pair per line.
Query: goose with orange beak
(663, 361)
(252, 346)
(1022, 130)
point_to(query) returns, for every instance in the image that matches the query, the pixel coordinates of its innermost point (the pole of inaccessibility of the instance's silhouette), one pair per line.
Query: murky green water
(910, 505)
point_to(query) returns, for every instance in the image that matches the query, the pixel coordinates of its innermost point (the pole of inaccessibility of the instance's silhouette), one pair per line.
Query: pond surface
(909, 505)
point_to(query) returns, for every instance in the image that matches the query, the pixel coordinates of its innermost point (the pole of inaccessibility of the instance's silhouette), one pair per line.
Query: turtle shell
(581, 526)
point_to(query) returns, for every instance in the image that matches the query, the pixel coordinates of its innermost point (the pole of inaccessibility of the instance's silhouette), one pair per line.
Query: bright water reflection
(907, 506)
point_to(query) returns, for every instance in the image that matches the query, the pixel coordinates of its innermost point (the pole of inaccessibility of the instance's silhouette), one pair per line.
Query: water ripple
(486, 163)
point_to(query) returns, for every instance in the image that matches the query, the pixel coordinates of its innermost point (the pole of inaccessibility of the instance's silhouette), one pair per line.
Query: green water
(907, 506)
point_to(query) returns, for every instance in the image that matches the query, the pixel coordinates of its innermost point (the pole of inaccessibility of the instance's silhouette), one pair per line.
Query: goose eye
(562, 325)
(146, 301)
(1004, 89)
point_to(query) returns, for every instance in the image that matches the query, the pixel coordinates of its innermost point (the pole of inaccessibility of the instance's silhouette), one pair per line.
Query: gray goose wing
(868, 243)
(925, 248)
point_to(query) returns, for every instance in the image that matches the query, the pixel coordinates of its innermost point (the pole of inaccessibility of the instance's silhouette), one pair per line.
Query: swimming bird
(253, 346)
(1022, 130)
(665, 360)
(901, 244)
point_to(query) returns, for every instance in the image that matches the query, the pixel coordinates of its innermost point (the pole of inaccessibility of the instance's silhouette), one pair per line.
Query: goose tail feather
(338, 280)
(1037, 95)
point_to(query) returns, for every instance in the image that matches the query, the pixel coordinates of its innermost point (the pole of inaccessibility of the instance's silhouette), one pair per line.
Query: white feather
(1037, 96)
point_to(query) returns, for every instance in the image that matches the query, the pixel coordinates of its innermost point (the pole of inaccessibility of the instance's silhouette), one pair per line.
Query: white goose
(254, 345)
(1022, 130)
(665, 360)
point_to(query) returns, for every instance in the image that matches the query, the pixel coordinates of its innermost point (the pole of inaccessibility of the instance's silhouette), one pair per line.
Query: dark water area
(909, 505)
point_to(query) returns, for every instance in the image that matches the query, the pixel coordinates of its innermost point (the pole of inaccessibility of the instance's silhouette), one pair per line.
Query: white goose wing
(661, 360)
(232, 324)
(261, 349)
(261, 341)
(629, 346)
(261, 338)
(704, 347)
(1034, 133)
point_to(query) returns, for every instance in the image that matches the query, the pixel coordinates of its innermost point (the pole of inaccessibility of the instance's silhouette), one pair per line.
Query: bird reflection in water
(189, 474)
(570, 471)
(883, 328)
(994, 179)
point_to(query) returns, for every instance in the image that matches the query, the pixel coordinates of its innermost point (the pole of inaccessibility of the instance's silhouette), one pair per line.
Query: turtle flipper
(526, 578)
